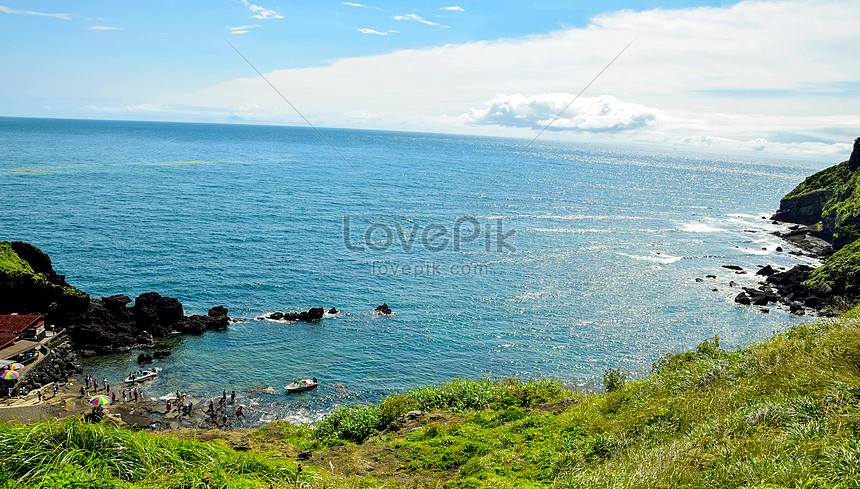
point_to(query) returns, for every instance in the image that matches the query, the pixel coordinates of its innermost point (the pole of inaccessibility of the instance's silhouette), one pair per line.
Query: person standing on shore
(124, 397)
(232, 397)
(135, 394)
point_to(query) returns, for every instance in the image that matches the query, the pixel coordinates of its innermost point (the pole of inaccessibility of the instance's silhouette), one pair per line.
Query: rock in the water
(161, 354)
(383, 309)
(332, 311)
(699, 279)
(767, 271)
(779, 249)
(710, 276)
(311, 315)
(742, 299)
(733, 267)
(144, 358)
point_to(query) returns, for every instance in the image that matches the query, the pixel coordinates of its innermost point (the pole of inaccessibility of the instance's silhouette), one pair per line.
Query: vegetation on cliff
(781, 413)
(832, 198)
(29, 284)
(829, 178)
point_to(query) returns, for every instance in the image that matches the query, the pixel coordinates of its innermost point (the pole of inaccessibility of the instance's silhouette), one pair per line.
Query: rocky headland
(823, 217)
(29, 285)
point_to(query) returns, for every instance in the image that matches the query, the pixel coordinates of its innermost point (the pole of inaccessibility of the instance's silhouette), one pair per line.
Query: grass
(781, 413)
(77, 454)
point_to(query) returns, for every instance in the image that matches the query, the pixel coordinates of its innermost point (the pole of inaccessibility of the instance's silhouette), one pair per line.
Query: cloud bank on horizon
(774, 77)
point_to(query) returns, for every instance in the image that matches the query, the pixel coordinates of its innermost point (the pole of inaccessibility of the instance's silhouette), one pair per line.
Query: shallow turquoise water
(599, 272)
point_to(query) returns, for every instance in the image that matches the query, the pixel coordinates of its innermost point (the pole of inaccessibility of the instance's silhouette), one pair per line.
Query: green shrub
(613, 380)
(351, 423)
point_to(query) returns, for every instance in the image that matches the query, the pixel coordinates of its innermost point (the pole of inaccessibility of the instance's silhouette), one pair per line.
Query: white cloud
(757, 76)
(371, 31)
(243, 29)
(260, 12)
(8, 10)
(105, 28)
(453, 8)
(592, 114)
(361, 5)
(414, 17)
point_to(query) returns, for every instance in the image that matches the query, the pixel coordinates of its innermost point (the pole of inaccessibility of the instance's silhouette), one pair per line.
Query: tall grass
(355, 423)
(77, 454)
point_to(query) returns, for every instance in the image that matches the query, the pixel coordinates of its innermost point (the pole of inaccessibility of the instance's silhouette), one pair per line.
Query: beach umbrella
(100, 400)
(15, 366)
(9, 375)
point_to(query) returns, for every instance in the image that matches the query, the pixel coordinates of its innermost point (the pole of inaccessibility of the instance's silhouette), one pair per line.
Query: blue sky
(771, 76)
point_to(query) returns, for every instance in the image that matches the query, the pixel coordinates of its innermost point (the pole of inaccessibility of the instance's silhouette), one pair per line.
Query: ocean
(562, 262)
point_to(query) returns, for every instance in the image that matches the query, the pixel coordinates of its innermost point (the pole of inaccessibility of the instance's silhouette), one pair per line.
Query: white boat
(302, 385)
(141, 375)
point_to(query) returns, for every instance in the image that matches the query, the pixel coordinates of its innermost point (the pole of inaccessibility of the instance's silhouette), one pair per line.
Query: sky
(777, 78)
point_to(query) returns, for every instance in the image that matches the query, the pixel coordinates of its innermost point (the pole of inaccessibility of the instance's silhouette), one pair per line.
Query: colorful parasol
(100, 400)
(9, 375)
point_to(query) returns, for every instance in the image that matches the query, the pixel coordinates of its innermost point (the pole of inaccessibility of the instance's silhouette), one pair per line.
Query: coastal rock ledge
(111, 324)
(29, 285)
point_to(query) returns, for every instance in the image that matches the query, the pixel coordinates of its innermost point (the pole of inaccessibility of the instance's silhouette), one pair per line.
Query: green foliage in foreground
(781, 413)
(75, 454)
(355, 423)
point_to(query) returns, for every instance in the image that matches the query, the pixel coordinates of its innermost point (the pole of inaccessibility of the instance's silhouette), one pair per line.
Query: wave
(699, 227)
(655, 257)
(572, 231)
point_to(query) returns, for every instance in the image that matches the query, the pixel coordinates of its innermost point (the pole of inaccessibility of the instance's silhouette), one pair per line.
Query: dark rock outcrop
(42, 291)
(733, 267)
(854, 160)
(311, 315)
(110, 324)
(803, 209)
(767, 271)
(791, 288)
(383, 309)
(62, 364)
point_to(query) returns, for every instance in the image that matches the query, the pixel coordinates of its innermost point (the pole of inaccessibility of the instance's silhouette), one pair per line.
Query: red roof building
(23, 327)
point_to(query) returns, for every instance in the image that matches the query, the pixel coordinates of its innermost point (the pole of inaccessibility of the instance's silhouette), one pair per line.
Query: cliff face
(29, 285)
(829, 203)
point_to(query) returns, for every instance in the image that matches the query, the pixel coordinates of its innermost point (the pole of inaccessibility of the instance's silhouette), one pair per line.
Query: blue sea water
(562, 262)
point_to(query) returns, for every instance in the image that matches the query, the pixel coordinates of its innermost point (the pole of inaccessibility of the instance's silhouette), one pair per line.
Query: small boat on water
(302, 385)
(141, 375)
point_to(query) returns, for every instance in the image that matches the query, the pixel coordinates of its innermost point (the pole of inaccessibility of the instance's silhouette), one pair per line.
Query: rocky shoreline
(790, 288)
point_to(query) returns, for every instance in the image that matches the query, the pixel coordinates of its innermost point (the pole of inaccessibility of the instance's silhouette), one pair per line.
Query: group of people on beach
(90, 381)
(222, 407)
